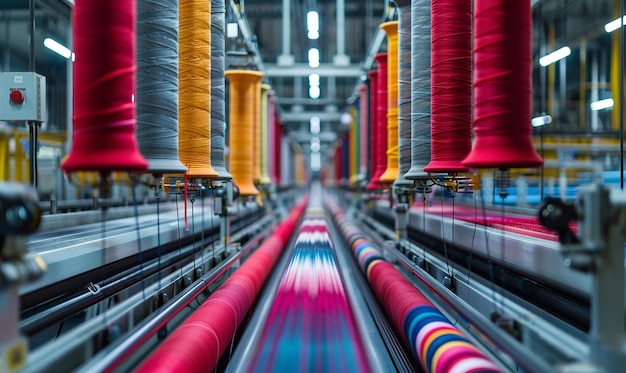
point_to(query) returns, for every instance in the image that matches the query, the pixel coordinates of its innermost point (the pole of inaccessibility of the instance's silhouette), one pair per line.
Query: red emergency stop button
(16, 96)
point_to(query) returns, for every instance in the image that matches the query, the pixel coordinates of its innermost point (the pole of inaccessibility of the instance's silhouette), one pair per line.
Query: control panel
(23, 96)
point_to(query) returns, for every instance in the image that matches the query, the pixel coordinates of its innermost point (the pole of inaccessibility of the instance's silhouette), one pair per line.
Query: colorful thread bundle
(243, 86)
(310, 326)
(194, 136)
(157, 85)
(404, 94)
(420, 89)
(104, 84)
(196, 346)
(502, 86)
(391, 172)
(451, 74)
(373, 130)
(380, 121)
(364, 139)
(218, 89)
(434, 340)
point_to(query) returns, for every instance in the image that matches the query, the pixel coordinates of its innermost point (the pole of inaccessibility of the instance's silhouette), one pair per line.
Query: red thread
(104, 85)
(380, 149)
(185, 204)
(278, 138)
(502, 86)
(373, 77)
(451, 85)
(338, 161)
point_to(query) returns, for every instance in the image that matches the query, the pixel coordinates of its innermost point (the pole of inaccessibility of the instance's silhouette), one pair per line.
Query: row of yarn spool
(164, 112)
(436, 343)
(310, 326)
(420, 116)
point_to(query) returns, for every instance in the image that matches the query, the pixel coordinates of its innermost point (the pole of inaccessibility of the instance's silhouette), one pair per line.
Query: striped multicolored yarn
(310, 326)
(434, 340)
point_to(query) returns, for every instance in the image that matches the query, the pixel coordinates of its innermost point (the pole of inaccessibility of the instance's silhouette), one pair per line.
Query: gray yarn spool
(157, 85)
(420, 90)
(218, 89)
(404, 94)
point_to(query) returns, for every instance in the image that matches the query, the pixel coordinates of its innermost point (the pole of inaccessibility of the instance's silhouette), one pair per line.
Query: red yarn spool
(380, 149)
(338, 161)
(278, 139)
(502, 86)
(104, 86)
(451, 85)
(373, 78)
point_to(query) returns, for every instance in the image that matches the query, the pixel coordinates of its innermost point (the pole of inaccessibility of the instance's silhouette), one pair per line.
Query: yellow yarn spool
(391, 173)
(299, 163)
(256, 132)
(264, 140)
(243, 84)
(194, 87)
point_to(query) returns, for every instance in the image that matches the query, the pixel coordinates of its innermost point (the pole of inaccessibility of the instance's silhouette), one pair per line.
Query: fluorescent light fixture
(541, 120)
(602, 104)
(315, 125)
(232, 30)
(314, 57)
(558, 54)
(614, 24)
(313, 25)
(314, 92)
(58, 48)
(316, 161)
(314, 80)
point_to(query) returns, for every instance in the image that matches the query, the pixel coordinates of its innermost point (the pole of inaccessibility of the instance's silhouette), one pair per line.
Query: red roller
(104, 87)
(380, 147)
(373, 78)
(198, 343)
(502, 86)
(451, 85)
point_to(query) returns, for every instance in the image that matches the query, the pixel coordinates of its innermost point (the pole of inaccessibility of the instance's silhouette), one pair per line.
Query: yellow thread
(391, 173)
(264, 142)
(242, 86)
(194, 98)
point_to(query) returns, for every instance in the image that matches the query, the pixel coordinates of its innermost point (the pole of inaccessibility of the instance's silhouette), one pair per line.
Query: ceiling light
(313, 25)
(314, 92)
(314, 57)
(315, 125)
(614, 24)
(316, 161)
(541, 120)
(232, 30)
(314, 80)
(602, 104)
(315, 146)
(58, 48)
(555, 56)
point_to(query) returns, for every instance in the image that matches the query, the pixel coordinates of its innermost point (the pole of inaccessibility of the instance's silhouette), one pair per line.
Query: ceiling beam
(305, 136)
(302, 69)
(306, 116)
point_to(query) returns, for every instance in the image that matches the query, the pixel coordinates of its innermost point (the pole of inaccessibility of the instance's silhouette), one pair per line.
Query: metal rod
(132, 343)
